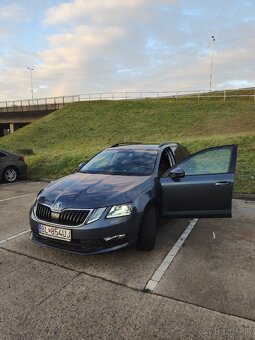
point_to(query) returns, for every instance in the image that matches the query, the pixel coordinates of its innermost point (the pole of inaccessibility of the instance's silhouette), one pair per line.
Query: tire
(148, 230)
(10, 175)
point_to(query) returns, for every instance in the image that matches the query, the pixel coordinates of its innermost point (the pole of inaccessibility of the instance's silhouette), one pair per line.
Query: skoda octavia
(117, 198)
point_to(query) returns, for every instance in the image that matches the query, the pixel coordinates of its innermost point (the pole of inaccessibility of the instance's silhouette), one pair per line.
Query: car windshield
(122, 162)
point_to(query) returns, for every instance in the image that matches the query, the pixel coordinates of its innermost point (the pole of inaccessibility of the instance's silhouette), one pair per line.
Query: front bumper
(89, 239)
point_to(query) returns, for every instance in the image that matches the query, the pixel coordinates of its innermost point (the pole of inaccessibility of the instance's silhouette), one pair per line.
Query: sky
(87, 46)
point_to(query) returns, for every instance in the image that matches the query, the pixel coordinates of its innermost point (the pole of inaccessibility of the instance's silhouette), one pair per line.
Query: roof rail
(125, 143)
(165, 143)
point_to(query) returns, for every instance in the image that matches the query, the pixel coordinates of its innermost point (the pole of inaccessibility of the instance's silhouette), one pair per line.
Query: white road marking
(156, 277)
(14, 236)
(214, 236)
(13, 198)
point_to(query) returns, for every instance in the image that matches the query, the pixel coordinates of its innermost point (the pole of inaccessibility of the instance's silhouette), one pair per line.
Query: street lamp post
(211, 74)
(31, 80)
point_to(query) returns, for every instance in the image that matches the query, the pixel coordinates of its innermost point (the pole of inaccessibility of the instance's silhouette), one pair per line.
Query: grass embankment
(73, 134)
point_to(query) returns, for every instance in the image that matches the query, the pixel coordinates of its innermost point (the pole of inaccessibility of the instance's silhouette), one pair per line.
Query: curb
(47, 180)
(247, 197)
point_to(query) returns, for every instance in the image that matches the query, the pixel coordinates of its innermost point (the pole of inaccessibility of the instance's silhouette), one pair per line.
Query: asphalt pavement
(207, 292)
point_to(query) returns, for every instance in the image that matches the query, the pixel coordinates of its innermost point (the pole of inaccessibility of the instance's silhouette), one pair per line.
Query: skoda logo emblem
(58, 205)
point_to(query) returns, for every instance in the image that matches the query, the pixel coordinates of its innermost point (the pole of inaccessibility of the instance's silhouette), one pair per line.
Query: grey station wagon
(12, 166)
(117, 198)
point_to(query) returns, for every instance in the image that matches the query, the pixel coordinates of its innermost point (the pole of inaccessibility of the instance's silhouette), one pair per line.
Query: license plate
(53, 232)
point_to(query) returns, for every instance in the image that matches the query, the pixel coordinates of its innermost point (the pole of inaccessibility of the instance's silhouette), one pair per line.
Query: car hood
(83, 190)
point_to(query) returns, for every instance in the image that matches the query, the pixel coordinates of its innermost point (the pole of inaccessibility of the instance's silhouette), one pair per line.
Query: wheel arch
(148, 227)
(11, 166)
(153, 202)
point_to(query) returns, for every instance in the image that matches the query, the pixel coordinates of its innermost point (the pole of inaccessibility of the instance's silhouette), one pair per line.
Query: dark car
(117, 198)
(12, 166)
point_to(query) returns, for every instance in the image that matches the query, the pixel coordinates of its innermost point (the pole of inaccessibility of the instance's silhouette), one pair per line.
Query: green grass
(73, 134)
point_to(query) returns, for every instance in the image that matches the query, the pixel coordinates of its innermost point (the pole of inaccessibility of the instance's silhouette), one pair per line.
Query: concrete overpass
(16, 114)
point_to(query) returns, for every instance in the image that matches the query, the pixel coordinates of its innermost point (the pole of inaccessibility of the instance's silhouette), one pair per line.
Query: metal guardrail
(198, 94)
(57, 102)
(38, 104)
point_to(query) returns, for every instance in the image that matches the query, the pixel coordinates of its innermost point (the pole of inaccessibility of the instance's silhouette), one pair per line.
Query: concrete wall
(31, 108)
(11, 121)
(22, 117)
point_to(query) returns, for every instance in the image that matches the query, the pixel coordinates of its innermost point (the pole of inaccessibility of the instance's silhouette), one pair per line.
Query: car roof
(141, 146)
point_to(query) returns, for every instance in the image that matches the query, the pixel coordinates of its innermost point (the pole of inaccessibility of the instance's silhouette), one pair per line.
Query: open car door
(201, 185)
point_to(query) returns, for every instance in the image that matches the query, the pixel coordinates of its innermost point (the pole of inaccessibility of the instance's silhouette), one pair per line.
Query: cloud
(94, 10)
(12, 11)
(70, 55)
(85, 46)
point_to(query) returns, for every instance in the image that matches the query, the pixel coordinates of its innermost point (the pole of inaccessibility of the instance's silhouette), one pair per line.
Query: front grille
(43, 212)
(69, 217)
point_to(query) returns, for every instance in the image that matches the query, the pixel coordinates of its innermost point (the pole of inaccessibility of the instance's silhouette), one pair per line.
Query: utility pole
(31, 80)
(211, 74)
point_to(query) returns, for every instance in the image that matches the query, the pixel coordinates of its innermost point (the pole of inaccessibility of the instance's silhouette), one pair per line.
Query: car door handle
(222, 183)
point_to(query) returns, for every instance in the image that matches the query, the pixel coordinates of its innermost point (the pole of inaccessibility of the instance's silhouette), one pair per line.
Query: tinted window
(185, 152)
(122, 162)
(180, 154)
(165, 162)
(208, 162)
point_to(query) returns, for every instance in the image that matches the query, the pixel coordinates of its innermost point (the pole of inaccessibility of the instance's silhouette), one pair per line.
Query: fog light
(118, 237)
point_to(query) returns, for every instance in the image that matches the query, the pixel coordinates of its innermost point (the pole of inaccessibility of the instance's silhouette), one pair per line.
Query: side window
(208, 162)
(166, 161)
(185, 152)
(180, 153)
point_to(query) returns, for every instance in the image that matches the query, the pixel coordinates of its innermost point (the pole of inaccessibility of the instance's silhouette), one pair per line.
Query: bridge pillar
(11, 127)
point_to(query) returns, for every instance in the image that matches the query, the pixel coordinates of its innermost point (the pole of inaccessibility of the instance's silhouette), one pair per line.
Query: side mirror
(177, 173)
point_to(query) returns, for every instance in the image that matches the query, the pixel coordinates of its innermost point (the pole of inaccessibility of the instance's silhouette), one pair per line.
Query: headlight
(96, 214)
(120, 210)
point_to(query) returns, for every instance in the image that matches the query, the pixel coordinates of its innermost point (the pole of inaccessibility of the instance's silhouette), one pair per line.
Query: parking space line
(158, 274)
(14, 236)
(13, 198)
